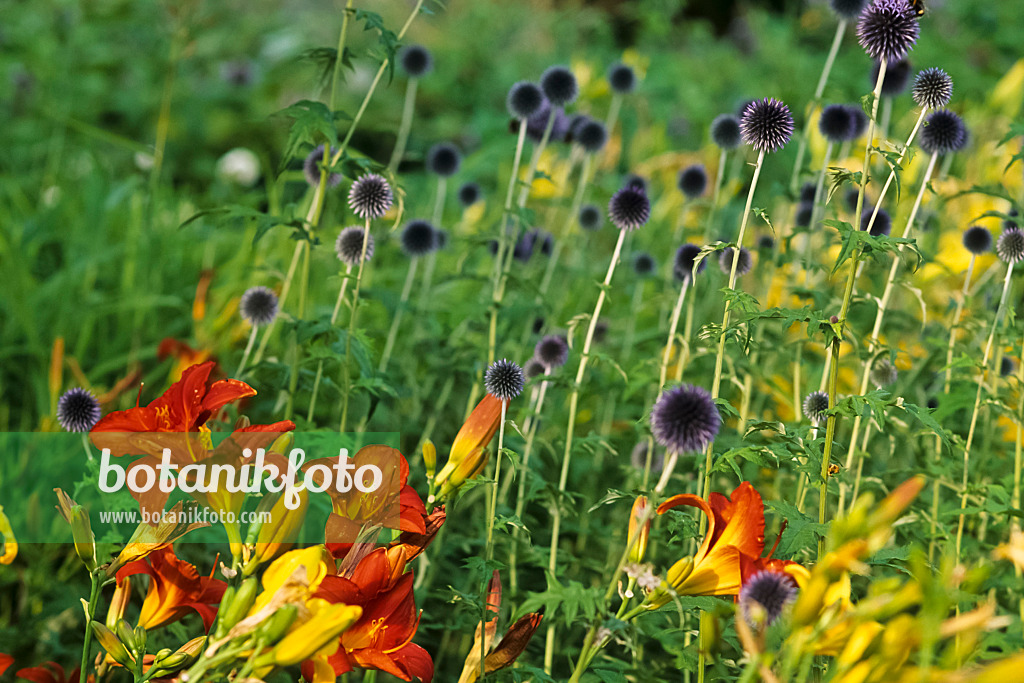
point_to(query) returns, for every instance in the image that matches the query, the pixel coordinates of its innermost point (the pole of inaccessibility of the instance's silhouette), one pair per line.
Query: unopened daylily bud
(430, 458)
(162, 654)
(140, 641)
(274, 628)
(327, 623)
(81, 530)
(110, 642)
(640, 512)
(677, 574)
(126, 635)
(173, 663)
(119, 601)
(279, 532)
(232, 612)
(226, 599)
(465, 469)
(477, 431)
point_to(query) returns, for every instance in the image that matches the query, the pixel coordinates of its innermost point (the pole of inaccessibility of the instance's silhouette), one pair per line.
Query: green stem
(94, 596)
(346, 380)
(293, 379)
(334, 319)
(340, 56)
(245, 354)
(524, 469)
(406, 126)
(389, 345)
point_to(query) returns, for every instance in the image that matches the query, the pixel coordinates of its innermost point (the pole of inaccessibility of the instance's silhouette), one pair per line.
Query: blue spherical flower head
(860, 121)
(888, 29)
(1010, 246)
(815, 405)
(882, 224)
(685, 419)
(552, 351)
(883, 373)
(686, 255)
(370, 196)
(559, 85)
(692, 181)
(311, 167)
(416, 60)
(765, 595)
(258, 306)
(766, 125)
(933, 88)
(621, 78)
(743, 265)
(78, 410)
(629, 208)
(444, 159)
(836, 124)
(349, 245)
(469, 194)
(977, 240)
(504, 380)
(944, 133)
(524, 100)
(644, 264)
(897, 76)
(803, 214)
(591, 136)
(419, 238)
(590, 217)
(725, 131)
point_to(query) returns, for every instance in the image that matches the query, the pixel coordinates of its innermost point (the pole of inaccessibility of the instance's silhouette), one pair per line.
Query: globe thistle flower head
(419, 238)
(1010, 246)
(258, 306)
(807, 192)
(416, 61)
(725, 131)
(469, 194)
(533, 368)
(803, 214)
(765, 243)
(897, 76)
(552, 351)
(349, 245)
(444, 159)
(933, 88)
(815, 405)
(944, 132)
(882, 224)
(887, 29)
(590, 217)
(883, 373)
(1006, 366)
(629, 208)
(851, 199)
(836, 124)
(600, 331)
(644, 264)
(686, 255)
(311, 167)
(766, 125)
(538, 123)
(559, 85)
(860, 121)
(685, 419)
(765, 595)
(977, 240)
(78, 410)
(1011, 222)
(621, 78)
(441, 238)
(524, 100)
(504, 380)
(743, 265)
(692, 181)
(638, 458)
(591, 136)
(370, 196)
(848, 9)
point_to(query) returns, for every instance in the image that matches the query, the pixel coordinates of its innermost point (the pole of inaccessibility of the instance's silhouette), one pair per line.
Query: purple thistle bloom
(977, 239)
(685, 419)
(768, 591)
(725, 131)
(933, 88)
(944, 132)
(685, 257)
(349, 245)
(888, 29)
(1010, 246)
(743, 265)
(692, 181)
(370, 196)
(419, 238)
(815, 405)
(836, 124)
(78, 410)
(504, 380)
(311, 167)
(258, 306)
(766, 125)
(882, 224)
(552, 351)
(629, 208)
(524, 100)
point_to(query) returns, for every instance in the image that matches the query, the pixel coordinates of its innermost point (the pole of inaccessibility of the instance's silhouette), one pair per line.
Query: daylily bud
(226, 599)
(280, 531)
(467, 468)
(232, 612)
(710, 633)
(274, 628)
(477, 431)
(140, 641)
(109, 642)
(639, 512)
(430, 458)
(677, 573)
(810, 601)
(8, 544)
(85, 541)
(162, 654)
(326, 624)
(126, 635)
(119, 601)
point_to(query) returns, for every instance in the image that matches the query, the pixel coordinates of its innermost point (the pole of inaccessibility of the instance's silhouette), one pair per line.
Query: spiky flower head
(538, 123)
(977, 239)
(803, 214)
(635, 181)
(766, 242)
(888, 29)
(860, 121)
(524, 100)
(686, 255)
(591, 135)
(725, 131)
(766, 125)
(552, 351)
(836, 124)
(807, 192)
(933, 88)
(590, 217)
(897, 76)
(370, 196)
(504, 380)
(314, 161)
(685, 419)
(469, 194)
(629, 208)
(848, 9)
(944, 132)
(78, 410)
(416, 60)
(419, 238)
(765, 595)
(533, 368)
(644, 264)
(1006, 366)
(1010, 246)
(621, 78)
(349, 245)
(815, 405)
(444, 159)
(559, 85)
(258, 306)
(882, 224)
(692, 181)
(883, 373)
(743, 265)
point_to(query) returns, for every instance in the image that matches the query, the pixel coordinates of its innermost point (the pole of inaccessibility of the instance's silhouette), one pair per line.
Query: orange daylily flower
(5, 662)
(50, 672)
(184, 356)
(175, 589)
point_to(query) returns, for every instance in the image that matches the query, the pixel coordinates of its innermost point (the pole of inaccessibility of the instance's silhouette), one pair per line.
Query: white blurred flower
(240, 166)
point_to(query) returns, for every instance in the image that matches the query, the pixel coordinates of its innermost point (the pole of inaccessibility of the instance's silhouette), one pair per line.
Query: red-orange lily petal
(5, 662)
(175, 589)
(50, 672)
(478, 429)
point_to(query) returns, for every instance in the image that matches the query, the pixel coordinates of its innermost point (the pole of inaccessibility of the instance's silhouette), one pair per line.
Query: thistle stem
(389, 345)
(346, 380)
(94, 597)
(524, 470)
(245, 354)
(320, 364)
(405, 126)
